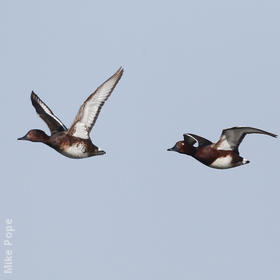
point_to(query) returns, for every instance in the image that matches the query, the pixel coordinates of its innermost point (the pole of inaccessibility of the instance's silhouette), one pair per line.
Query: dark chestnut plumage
(221, 155)
(75, 141)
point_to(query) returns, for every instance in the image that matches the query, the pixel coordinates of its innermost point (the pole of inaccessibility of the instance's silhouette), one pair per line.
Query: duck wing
(54, 123)
(232, 137)
(90, 109)
(191, 139)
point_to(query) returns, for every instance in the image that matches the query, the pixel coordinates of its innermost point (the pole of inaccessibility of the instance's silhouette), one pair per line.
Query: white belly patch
(222, 162)
(76, 151)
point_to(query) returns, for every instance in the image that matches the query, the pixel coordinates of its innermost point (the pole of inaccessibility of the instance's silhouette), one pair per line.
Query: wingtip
(272, 134)
(33, 95)
(118, 74)
(120, 70)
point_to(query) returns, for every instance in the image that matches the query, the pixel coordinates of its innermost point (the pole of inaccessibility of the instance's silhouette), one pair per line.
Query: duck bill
(173, 149)
(23, 138)
(99, 153)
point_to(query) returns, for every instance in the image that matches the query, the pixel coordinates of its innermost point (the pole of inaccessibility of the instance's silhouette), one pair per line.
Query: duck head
(178, 147)
(183, 148)
(35, 135)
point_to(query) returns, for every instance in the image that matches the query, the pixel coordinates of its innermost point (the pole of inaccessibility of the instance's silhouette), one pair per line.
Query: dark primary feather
(235, 135)
(54, 123)
(192, 139)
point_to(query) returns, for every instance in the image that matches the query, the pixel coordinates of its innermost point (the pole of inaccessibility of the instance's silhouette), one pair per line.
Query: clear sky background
(140, 212)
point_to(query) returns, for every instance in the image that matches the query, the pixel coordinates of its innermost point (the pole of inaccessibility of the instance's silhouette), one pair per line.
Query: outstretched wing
(54, 123)
(191, 139)
(232, 137)
(89, 111)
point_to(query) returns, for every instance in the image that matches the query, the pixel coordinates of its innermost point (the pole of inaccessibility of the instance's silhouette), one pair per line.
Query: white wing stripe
(49, 112)
(91, 108)
(191, 137)
(224, 144)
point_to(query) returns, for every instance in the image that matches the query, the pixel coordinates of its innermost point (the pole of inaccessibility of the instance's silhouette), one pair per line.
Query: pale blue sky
(140, 212)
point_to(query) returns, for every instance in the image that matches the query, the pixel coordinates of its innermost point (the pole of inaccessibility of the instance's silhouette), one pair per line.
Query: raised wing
(54, 123)
(191, 139)
(90, 109)
(232, 137)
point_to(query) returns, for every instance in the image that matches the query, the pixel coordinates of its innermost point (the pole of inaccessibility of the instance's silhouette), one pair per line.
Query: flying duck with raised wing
(74, 142)
(221, 155)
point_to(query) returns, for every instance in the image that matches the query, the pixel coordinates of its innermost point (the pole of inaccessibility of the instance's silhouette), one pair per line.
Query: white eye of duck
(183, 144)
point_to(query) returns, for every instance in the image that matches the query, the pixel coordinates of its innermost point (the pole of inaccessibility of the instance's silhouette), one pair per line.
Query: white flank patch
(76, 151)
(222, 162)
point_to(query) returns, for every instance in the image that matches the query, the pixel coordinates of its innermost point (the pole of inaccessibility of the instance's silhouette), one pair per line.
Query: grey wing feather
(232, 137)
(54, 123)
